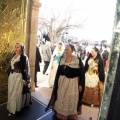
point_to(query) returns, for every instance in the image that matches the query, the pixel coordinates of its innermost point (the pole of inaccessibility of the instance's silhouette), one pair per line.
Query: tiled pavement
(43, 94)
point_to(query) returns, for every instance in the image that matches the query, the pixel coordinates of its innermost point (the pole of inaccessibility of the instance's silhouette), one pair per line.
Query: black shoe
(36, 86)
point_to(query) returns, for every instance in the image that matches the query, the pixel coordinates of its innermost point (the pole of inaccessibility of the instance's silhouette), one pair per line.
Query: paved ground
(43, 94)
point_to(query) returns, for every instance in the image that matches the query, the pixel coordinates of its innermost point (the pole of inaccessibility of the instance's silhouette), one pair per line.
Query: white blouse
(14, 60)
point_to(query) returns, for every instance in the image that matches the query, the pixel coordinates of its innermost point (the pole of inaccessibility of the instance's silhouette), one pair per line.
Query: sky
(98, 16)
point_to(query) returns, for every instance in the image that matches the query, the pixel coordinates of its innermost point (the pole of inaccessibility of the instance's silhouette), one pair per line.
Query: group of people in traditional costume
(72, 82)
(75, 83)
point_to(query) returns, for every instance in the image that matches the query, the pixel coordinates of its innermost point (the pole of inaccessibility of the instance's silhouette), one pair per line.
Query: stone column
(31, 36)
(112, 83)
(114, 107)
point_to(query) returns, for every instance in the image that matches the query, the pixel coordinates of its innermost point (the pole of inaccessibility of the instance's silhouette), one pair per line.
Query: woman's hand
(80, 88)
(24, 83)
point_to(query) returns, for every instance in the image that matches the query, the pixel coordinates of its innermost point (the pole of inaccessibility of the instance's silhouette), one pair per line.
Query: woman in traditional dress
(94, 78)
(66, 99)
(19, 95)
(57, 54)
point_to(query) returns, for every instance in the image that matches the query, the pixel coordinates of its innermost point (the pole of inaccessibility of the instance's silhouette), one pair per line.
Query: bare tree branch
(57, 25)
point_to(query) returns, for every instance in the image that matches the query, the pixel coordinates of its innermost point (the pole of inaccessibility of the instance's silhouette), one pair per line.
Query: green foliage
(104, 42)
(5, 58)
